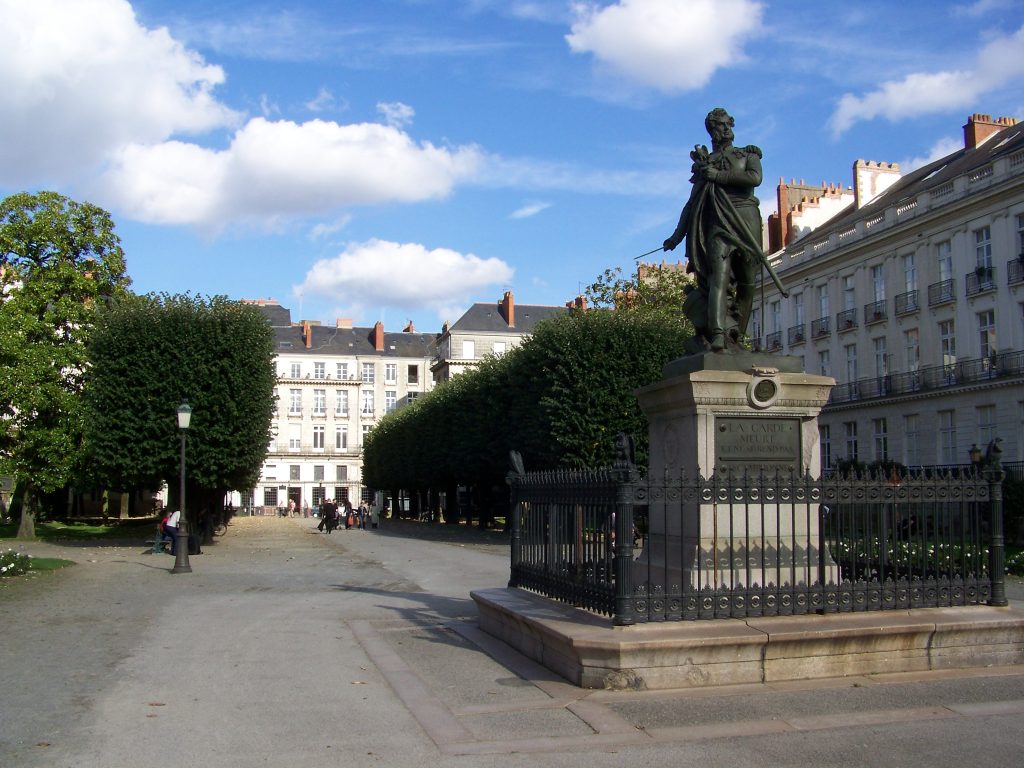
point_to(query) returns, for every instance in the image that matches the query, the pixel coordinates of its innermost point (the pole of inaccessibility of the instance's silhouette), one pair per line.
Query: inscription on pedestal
(752, 444)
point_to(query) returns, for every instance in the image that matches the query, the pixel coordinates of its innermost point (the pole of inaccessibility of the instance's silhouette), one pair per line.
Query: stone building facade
(912, 298)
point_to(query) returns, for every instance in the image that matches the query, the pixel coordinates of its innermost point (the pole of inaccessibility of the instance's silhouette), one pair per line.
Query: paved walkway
(286, 647)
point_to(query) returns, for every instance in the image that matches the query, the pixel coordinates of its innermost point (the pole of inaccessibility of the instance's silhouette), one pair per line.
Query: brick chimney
(508, 309)
(378, 336)
(343, 322)
(307, 333)
(981, 128)
(410, 328)
(580, 303)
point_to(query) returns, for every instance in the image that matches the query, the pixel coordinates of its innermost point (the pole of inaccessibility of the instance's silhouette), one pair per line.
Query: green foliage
(148, 354)
(14, 563)
(652, 289)
(59, 261)
(559, 399)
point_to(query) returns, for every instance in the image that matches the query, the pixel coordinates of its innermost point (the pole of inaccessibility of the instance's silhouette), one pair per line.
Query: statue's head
(719, 124)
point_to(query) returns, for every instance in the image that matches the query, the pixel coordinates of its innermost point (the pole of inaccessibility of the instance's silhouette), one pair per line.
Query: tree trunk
(27, 526)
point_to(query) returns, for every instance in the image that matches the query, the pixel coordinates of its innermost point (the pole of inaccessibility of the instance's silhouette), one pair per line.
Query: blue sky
(401, 159)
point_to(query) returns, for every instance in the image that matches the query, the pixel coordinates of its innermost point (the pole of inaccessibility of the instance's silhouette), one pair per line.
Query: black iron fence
(729, 546)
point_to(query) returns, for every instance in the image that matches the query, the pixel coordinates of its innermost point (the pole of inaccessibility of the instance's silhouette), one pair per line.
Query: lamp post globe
(181, 563)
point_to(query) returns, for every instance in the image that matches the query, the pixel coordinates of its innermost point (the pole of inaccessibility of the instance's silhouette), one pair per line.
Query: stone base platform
(590, 652)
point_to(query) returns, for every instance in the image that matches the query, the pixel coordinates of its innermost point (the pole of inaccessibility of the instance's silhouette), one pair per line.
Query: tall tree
(147, 354)
(59, 261)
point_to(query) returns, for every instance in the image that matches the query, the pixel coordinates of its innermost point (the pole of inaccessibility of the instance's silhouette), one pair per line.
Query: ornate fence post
(625, 474)
(514, 478)
(995, 475)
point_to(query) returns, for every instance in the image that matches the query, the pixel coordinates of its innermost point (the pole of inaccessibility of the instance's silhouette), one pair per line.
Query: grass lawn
(56, 530)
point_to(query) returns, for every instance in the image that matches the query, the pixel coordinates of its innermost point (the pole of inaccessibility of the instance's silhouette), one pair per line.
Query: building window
(499, 348)
(823, 310)
(391, 373)
(366, 431)
(318, 494)
(293, 472)
(824, 363)
(944, 259)
(318, 437)
(850, 432)
(986, 425)
(319, 370)
(798, 309)
(881, 435)
(775, 309)
(367, 405)
(295, 402)
(369, 373)
(1020, 235)
(319, 402)
(318, 473)
(849, 293)
(294, 437)
(881, 357)
(947, 347)
(909, 273)
(851, 362)
(342, 370)
(947, 438)
(414, 374)
(342, 474)
(826, 446)
(468, 349)
(270, 497)
(390, 400)
(296, 370)
(987, 337)
(878, 282)
(755, 323)
(341, 438)
(912, 347)
(341, 402)
(912, 440)
(983, 248)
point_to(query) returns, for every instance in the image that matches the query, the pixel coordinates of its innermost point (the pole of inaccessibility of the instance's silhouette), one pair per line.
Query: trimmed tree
(559, 399)
(59, 261)
(152, 352)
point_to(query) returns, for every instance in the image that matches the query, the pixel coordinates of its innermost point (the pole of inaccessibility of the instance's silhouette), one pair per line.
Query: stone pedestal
(749, 420)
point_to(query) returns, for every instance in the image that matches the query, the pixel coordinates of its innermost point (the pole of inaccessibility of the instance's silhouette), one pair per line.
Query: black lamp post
(181, 564)
(976, 456)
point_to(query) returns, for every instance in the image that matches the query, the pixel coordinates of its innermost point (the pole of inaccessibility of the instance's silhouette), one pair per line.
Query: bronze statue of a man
(721, 223)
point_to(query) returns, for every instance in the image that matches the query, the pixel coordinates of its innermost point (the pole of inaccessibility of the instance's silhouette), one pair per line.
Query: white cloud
(82, 78)
(279, 170)
(326, 229)
(324, 99)
(672, 45)
(921, 93)
(369, 276)
(981, 7)
(528, 210)
(396, 114)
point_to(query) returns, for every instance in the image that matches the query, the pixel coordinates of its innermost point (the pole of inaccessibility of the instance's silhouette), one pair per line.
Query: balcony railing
(1015, 270)
(307, 448)
(875, 312)
(797, 335)
(999, 366)
(941, 293)
(773, 341)
(846, 320)
(981, 280)
(906, 303)
(821, 328)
